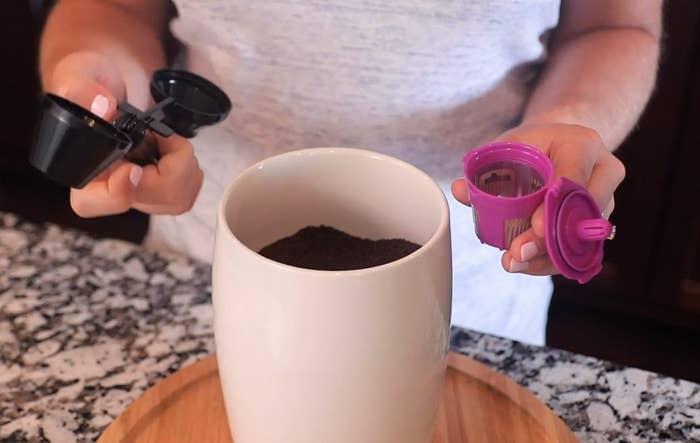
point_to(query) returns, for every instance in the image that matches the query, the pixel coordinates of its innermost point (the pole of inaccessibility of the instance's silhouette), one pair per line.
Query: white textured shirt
(422, 80)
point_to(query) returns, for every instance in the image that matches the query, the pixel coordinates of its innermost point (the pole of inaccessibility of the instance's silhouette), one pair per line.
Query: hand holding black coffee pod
(72, 145)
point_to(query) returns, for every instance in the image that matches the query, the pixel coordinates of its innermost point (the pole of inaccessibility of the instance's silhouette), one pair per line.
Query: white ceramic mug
(308, 356)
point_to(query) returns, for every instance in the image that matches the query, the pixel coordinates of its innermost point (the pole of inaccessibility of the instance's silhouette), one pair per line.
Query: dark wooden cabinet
(649, 291)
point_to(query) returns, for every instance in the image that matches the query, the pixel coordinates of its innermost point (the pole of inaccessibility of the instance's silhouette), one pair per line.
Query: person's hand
(577, 153)
(170, 187)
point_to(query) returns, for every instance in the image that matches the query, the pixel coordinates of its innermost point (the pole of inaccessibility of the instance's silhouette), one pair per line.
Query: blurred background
(643, 310)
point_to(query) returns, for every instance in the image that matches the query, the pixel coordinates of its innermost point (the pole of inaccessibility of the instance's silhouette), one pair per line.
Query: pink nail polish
(99, 106)
(518, 266)
(135, 175)
(528, 251)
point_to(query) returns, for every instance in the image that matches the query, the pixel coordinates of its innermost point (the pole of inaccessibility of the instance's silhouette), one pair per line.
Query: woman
(421, 80)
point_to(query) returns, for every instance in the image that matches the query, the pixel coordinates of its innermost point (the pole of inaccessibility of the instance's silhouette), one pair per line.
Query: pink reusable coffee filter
(507, 181)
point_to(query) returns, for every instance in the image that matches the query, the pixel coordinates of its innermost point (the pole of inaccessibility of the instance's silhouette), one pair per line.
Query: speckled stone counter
(86, 326)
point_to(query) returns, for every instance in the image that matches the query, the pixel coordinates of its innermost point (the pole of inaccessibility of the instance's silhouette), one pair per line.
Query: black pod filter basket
(72, 145)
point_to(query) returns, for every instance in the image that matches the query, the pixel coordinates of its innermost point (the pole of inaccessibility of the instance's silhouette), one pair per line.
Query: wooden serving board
(478, 405)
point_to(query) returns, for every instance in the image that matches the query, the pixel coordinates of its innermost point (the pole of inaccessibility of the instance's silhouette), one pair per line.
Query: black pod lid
(72, 145)
(197, 101)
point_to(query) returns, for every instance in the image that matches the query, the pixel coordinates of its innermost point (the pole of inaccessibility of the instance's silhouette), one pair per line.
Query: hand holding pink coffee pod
(507, 181)
(577, 153)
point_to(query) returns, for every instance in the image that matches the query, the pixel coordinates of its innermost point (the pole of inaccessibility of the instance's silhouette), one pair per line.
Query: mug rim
(442, 228)
(522, 152)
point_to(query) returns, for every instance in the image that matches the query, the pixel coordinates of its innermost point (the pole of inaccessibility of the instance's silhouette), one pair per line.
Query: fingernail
(517, 266)
(135, 175)
(99, 106)
(528, 251)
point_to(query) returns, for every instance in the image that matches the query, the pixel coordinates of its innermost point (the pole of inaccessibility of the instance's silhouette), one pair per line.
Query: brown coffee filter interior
(508, 179)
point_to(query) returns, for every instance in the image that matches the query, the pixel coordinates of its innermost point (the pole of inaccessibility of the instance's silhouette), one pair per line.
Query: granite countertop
(86, 326)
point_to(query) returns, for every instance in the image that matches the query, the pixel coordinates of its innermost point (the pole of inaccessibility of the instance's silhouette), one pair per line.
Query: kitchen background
(643, 310)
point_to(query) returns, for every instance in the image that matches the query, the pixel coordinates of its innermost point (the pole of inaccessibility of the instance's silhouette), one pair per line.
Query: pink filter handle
(575, 230)
(594, 230)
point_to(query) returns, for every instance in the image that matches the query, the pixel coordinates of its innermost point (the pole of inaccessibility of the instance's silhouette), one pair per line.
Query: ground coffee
(329, 249)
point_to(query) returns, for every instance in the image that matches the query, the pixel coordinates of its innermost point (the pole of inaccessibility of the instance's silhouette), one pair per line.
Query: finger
(152, 209)
(183, 203)
(166, 209)
(573, 162)
(89, 95)
(164, 188)
(527, 246)
(89, 81)
(460, 191)
(537, 221)
(537, 266)
(609, 209)
(173, 145)
(111, 195)
(523, 134)
(606, 176)
(177, 156)
(86, 67)
(172, 179)
(109, 169)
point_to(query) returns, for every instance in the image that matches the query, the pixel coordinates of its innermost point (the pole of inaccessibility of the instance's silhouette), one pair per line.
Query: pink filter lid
(575, 230)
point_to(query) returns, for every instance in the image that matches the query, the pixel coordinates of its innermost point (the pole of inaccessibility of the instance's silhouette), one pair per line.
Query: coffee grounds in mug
(329, 249)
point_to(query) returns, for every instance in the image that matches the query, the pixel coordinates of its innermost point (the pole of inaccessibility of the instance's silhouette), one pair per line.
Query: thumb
(89, 95)
(460, 190)
(90, 80)
(109, 195)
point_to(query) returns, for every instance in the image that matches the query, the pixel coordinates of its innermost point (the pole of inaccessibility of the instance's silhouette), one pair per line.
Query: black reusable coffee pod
(72, 145)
